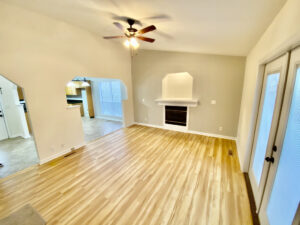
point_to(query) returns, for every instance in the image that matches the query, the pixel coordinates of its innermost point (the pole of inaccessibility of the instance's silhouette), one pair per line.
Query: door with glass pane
(266, 125)
(282, 193)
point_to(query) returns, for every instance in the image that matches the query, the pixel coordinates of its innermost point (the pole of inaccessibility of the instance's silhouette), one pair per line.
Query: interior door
(266, 125)
(282, 194)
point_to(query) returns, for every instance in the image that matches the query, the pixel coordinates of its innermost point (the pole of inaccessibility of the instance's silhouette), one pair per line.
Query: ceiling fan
(132, 33)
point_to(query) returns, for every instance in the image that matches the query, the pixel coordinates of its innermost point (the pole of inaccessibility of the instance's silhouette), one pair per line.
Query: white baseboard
(59, 154)
(189, 131)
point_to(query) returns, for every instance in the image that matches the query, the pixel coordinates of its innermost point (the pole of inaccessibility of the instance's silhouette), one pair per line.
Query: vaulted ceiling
(229, 27)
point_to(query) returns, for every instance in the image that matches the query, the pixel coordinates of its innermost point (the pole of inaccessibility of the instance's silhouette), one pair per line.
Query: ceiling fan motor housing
(130, 21)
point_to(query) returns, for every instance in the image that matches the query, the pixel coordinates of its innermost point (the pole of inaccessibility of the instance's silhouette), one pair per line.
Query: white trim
(189, 131)
(59, 154)
(175, 127)
(177, 102)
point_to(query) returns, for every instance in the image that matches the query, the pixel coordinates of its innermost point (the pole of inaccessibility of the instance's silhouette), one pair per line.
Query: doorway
(100, 102)
(275, 163)
(17, 146)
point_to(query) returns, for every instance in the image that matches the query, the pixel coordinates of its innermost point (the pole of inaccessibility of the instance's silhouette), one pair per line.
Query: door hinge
(270, 159)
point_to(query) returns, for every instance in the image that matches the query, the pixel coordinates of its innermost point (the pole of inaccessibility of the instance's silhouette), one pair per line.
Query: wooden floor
(136, 175)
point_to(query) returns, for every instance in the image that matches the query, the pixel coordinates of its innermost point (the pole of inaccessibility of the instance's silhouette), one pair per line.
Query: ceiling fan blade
(146, 39)
(120, 26)
(112, 37)
(157, 17)
(147, 29)
(125, 19)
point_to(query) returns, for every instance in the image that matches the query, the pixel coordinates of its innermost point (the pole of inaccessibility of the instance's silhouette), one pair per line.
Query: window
(110, 98)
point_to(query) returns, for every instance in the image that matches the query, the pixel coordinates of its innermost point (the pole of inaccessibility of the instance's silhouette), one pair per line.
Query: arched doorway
(100, 102)
(17, 145)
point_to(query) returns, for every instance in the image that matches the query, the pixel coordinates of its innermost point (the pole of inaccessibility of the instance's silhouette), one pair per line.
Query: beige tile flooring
(17, 154)
(95, 128)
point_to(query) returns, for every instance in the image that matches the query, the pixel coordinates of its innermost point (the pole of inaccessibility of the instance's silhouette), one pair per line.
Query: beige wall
(217, 78)
(42, 54)
(283, 33)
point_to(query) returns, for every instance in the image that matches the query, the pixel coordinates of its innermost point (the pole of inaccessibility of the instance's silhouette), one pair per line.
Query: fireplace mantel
(177, 101)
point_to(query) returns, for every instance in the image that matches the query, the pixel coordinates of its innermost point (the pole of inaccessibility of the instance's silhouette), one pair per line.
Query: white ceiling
(230, 27)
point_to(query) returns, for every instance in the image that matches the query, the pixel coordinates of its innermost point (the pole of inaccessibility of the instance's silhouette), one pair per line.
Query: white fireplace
(177, 98)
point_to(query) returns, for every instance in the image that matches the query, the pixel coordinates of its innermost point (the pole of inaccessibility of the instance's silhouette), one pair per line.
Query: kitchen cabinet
(90, 100)
(85, 94)
(73, 91)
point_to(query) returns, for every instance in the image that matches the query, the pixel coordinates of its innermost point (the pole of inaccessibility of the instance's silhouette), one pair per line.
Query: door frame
(279, 65)
(294, 65)
(29, 117)
(3, 120)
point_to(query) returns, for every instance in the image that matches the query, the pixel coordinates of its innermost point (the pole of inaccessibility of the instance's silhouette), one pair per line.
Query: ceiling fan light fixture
(127, 43)
(132, 34)
(131, 42)
(134, 43)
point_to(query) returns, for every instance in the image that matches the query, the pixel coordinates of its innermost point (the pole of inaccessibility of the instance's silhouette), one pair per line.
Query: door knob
(270, 159)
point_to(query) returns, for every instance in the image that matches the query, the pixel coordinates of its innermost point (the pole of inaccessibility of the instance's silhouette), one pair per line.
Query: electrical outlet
(220, 128)
(213, 102)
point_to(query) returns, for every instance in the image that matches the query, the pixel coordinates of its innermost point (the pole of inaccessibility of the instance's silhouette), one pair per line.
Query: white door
(266, 125)
(282, 194)
(3, 129)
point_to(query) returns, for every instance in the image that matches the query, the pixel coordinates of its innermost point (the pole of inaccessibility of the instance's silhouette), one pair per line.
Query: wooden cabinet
(20, 93)
(90, 100)
(73, 91)
(76, 89)
(21, 98)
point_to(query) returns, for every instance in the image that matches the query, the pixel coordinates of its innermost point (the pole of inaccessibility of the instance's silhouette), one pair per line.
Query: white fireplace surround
(178, 102)
(177, 90)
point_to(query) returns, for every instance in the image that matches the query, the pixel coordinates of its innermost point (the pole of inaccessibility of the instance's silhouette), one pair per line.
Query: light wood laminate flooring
(137, 175)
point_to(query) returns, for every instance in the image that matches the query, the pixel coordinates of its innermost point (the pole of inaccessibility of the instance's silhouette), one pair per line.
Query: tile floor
(95, 128)
(17, 154)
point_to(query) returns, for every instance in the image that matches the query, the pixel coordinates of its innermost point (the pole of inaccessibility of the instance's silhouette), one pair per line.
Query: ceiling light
(134, 42)
(127, 43)
(85, 83)
(70, 84)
